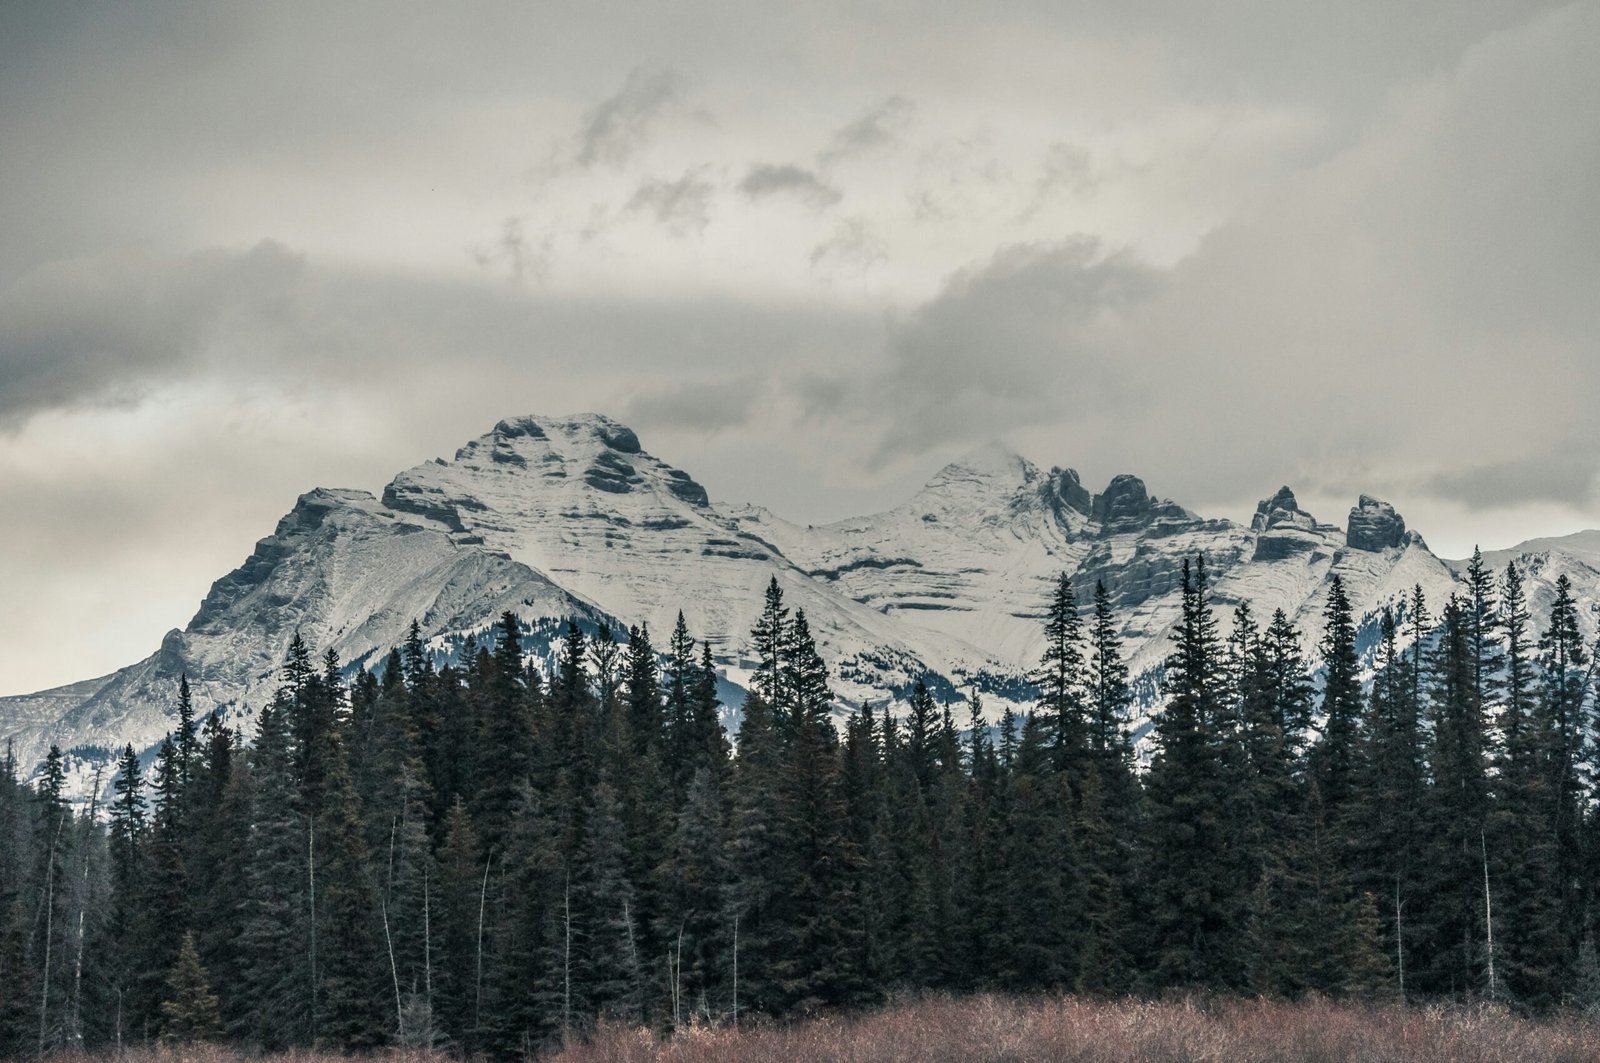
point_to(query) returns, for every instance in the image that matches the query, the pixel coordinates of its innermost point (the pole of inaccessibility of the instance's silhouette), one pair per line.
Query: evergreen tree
(506, 743)
(1454, 817)
(1334, 761)
(643, 685)
(691, 923)
(1533, 933)
(767, 639)
(349, 964)
(1195, 904)
(276, 928)
(1060, 680)
(190, 1012)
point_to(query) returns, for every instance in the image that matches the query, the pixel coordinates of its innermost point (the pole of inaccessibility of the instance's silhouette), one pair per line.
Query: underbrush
(999, 1029)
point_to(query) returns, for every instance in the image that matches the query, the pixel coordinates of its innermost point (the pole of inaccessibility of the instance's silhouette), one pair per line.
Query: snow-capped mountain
(558, 518)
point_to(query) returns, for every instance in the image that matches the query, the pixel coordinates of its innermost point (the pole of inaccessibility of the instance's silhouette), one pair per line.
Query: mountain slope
(557, 518)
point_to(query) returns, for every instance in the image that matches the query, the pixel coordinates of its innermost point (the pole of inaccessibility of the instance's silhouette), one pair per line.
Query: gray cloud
(883, 126)
(1402, 314)
(1068, 170)
(616, 127)
(765, 180)
(701, 406)
(521, 257)
(101, 330)
(683, 206)
(1029, 337)
(1571, 479)
(1397, 291)
(852, 248)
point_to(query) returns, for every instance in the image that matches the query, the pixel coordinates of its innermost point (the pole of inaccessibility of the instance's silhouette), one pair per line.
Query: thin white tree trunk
(566, 959)
(1399, 939)
(427, 937)
(388, 940)
(49, 920)
(1488, 915)
(311, 886)
(83, 905)
(477, 992)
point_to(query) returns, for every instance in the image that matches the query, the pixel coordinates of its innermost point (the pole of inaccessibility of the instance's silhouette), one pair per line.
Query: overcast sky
(809, 251)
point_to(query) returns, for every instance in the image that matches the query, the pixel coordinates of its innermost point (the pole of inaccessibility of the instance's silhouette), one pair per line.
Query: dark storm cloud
(766, 180)
(103, 329)
(1566, 479)
(1404, 313)
(882, 126)
(616, 127)
(683, 205)
(1028, 337)
(1396, 293)
(702, 406)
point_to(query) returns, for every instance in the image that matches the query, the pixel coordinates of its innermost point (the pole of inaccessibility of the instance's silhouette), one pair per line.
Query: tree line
(491, 859)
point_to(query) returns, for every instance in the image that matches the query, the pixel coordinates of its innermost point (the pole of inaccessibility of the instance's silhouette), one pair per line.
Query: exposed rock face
(1374, 526)
(1282, 508)
(558, 518)
(1126, 506)
(1064, 490)
(1284, 529)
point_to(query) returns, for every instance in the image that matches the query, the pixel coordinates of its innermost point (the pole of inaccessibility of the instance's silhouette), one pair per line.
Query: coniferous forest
(491, 857)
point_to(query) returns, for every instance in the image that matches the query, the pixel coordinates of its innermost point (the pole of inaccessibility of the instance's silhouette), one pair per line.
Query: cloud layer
(811, 252)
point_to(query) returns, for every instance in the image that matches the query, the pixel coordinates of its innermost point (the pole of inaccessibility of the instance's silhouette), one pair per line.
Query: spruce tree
(350, 954)
(1335, 760)
(1195, 903)
(1060, 680)
(691, 926)
(1454, 811)
(190, 1012)
(276, 926)
(1532, 931)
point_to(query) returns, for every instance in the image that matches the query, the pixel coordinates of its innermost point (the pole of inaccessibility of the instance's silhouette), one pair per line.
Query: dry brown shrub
(999, 1029)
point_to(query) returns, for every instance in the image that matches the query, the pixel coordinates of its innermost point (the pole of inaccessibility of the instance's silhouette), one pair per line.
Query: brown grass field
(995, 1029)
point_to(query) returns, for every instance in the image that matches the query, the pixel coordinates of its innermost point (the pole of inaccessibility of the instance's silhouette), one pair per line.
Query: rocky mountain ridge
(557, 518)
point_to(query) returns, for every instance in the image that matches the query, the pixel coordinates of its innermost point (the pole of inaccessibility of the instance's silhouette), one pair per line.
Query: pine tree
(691, 923)
(349, 964)
(128, 825)
(608, 973)
(462, 877)
(1195, 904)
(1455, 812)
(275, 930)
(506, 737)
(921, 719)
(708, 742)
(767, 639)
(643, 685)
(219, 804)
(190, 1012)
(1335, 760)
(166, 905)
(1522, 826)
(758, 884)
(1390, 812)
(1060, 680)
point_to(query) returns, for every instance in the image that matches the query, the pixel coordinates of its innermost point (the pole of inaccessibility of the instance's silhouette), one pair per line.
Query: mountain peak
(1374, 526)
(1281, 508)
(1126, 505)
(573, 427)
(992, 460)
